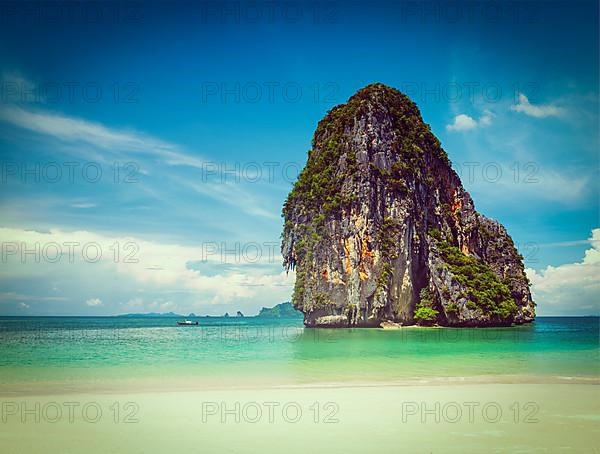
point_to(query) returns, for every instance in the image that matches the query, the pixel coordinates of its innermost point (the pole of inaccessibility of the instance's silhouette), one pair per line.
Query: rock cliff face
(379, 228)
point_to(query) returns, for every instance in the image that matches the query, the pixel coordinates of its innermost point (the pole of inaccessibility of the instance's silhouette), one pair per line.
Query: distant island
(283, 310)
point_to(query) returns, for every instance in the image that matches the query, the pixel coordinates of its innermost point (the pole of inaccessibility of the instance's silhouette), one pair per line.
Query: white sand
(550, 418)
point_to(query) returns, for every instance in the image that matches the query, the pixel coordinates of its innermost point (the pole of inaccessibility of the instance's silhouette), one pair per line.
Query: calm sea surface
(65, 349)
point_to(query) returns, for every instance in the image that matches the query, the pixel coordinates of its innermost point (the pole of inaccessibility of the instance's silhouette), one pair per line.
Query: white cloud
(93, 302)
(158, 268)
(464, 122)
(539, 111)
(24, 306)
(570, 289)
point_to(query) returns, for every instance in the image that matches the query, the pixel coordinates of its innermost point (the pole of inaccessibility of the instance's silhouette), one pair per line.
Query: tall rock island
(379, 228)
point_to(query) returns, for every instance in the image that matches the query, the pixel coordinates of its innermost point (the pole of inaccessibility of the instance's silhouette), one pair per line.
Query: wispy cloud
(554, 186)
(234, 195)
(545, 185)
(83, 205)
(566, 243)
(13, 296)
(537, 111)
(120, 143)
(78, 131)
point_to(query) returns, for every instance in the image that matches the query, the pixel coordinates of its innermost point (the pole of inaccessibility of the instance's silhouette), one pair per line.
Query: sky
(147, 149)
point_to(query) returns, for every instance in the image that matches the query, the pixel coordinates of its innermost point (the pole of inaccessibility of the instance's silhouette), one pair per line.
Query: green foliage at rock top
(331, 160)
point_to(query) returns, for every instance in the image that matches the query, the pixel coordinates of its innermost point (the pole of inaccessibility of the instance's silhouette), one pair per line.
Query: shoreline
(136, 385)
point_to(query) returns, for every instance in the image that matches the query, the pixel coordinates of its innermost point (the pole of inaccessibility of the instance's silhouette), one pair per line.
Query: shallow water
(73, 349)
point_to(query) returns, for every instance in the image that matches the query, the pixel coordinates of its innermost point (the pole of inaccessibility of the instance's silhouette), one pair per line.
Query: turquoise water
(59, 349)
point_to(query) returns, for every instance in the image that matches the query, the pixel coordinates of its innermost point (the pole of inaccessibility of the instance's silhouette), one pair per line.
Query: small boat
(186, 323)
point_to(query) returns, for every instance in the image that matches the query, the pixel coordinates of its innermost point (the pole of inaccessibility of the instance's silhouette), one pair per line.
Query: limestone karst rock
(379, 228)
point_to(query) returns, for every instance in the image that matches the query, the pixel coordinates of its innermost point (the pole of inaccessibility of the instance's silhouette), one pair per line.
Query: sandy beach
(430, 418)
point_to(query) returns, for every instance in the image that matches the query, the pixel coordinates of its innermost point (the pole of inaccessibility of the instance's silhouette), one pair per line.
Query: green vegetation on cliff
(319, 188)
(425, 314)
(485, 292)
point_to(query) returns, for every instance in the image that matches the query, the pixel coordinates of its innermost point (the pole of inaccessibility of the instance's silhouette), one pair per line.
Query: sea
(98, 351)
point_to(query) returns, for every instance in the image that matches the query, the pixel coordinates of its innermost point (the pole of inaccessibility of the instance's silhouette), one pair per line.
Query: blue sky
(202, 111)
